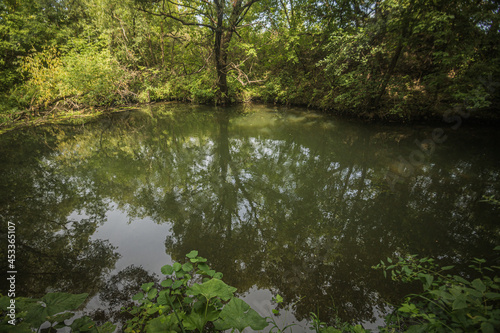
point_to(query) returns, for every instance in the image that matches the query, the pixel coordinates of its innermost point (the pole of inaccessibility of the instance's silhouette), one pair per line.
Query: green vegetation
(448, 303)
(52, 310)
(193, 298)
(388, 59)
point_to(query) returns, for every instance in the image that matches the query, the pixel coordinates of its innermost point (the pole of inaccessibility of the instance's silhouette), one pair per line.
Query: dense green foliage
(449, 302)
(193, 298)
(190, 298)
(374, 58)
(52, 310)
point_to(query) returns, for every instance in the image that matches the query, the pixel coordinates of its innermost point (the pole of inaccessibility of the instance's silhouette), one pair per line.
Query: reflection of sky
(140, 242)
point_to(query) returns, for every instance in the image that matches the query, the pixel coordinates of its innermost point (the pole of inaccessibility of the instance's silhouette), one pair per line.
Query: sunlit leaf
(212, 288)
(238, 315)
(167, 270)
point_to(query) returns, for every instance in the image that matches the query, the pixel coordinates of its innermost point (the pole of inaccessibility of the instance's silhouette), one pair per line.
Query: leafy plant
(30, 314)
(191, 298)
(448, 303)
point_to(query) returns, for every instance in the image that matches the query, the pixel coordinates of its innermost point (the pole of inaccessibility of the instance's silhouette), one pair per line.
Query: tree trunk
(220, 50)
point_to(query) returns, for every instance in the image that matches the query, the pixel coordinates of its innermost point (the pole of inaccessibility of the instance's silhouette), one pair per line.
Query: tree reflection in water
(283, 200)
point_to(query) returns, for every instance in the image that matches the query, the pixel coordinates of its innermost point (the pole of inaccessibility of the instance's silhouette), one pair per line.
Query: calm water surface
(282, 201)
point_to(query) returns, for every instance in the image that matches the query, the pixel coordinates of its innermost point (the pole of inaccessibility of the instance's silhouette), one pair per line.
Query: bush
(448, 303)
(83, 75)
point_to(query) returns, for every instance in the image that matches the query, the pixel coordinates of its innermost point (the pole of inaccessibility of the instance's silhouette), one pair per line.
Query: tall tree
(222, 17)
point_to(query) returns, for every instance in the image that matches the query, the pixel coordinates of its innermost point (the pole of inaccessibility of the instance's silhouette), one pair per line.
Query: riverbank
(451, 116)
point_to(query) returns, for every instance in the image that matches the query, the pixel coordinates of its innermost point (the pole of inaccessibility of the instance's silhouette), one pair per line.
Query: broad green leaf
(177, 266)
(152, 293)
(138, 297)
(162, 298)
(460, 302)
(212, 288)
(167, 270)
(461, 279)
(163, 324)
(492, 295)
(479, 285)
(428, 281)
(193, 321)
(198, 259)
(187, 267)
(238, 315)
(54, 303)
(166, 283)
(4, 302)
(193, 254)
(487, 328)
(204, 267)
(59, 302)
(177, 284)
(84, 324)
(107, 328)
(147, 286)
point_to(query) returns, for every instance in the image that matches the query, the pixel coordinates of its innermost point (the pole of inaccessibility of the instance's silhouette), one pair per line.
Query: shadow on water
(287, 201)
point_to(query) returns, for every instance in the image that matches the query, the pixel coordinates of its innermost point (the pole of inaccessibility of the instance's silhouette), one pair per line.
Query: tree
(220, 17)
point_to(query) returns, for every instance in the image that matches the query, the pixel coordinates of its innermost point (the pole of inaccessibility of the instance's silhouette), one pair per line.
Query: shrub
(448, 303)
(83, 75)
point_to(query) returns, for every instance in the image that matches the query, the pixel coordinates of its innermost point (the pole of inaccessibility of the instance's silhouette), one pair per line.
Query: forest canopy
(388, 59)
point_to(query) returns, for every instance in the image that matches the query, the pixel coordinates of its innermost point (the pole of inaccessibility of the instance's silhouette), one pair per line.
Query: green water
(282, 201)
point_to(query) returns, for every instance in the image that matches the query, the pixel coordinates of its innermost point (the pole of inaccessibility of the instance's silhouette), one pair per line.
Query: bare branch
(178, 19)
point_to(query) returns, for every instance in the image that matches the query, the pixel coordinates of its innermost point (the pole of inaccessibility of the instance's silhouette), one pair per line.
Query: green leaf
(193, 321)
(461, 279)
(278, 299)
(166, 283)
(138, 297)
(492, 295)
(54, 303)
(152, 293)
(177, 284)
(237, 314)
(167, 270)
(162, 298)
(479, 285)
(162, 324)
(193, 254)
(447, 268)
(177, 266)
(212, 288)
(460, 302)
(428, 281)
(187, 267)
(59, 302)
(487, 327)
(84, 324)
(147, 286)
(107, 328)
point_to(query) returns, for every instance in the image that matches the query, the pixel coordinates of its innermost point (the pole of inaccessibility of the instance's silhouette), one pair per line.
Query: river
(280, 200)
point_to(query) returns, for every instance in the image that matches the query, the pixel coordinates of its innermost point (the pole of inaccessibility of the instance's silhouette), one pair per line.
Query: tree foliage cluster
(383, 58)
